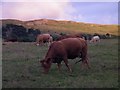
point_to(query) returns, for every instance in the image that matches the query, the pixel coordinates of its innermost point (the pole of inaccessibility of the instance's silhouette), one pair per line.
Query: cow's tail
(78, 61)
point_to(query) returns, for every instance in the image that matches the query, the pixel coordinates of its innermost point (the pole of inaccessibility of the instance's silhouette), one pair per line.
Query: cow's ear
(48, 60)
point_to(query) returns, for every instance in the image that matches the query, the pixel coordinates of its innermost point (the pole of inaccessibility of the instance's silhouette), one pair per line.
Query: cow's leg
(59, 66)
(42, 43)
(37, 43)
(66, 63)
(98, 40)
(48, 43)
(85, 57)
(85, 62)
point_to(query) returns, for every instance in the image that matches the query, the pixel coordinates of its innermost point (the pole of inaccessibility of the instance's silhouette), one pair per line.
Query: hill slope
(64, 26)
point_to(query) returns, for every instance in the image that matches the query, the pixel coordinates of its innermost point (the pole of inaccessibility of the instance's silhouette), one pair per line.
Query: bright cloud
(35, 10)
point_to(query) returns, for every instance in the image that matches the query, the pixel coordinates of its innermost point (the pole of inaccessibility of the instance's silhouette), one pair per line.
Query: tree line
(12, 32)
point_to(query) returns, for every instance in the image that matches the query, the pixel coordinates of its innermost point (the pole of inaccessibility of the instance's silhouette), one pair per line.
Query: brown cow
(78, 35)
(63, 50)
(43, 38)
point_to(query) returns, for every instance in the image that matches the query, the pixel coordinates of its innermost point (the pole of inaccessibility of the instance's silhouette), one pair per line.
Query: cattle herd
(47, 38)
(63, 48)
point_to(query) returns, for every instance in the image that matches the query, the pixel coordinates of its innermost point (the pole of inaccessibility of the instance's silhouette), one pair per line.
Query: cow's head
(46, 64)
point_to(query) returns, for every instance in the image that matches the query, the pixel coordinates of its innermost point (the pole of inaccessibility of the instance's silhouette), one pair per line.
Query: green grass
(21, 67)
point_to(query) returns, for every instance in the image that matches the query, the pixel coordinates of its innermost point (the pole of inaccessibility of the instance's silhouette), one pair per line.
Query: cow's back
(46, 36)
(67, 36)
(42, 38)
(72, 46)
(96, 37)
(73, 43)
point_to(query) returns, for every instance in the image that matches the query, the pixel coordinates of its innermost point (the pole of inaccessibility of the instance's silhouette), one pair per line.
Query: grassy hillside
(65, 26)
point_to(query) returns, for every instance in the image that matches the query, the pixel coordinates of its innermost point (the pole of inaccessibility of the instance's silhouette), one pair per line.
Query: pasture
(21, 67)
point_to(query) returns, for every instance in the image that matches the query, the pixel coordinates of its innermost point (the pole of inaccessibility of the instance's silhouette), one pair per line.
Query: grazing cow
(67, 36)
(108, 35)
(95, 39)
(63, 50)
(43, 38)
(78, 35)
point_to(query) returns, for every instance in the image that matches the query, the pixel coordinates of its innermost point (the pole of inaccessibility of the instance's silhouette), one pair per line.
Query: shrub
(13, 32)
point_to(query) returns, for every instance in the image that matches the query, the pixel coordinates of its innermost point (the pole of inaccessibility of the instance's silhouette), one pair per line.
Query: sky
(87, 12)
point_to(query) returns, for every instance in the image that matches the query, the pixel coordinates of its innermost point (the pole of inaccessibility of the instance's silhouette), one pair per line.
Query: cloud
(101, 13)
(35, 10)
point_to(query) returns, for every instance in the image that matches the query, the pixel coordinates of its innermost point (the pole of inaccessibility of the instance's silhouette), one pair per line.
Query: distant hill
(64, 26)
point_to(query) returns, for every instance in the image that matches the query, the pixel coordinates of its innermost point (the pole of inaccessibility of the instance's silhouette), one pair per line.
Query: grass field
(21, 68)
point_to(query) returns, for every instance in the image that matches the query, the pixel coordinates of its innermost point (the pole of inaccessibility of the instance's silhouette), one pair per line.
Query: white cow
(95, 39)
